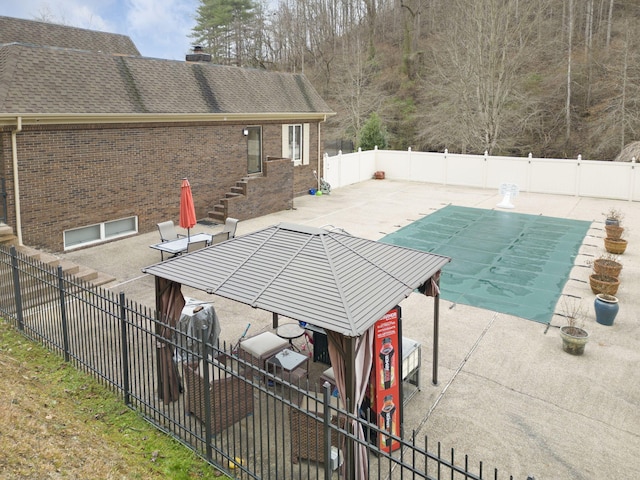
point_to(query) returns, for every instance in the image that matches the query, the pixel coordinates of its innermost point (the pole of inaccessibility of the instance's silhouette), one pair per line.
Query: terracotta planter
(379, 175)
(608, 268)
(603, 284)
(614, 232)
(616, 247)
(573, 339)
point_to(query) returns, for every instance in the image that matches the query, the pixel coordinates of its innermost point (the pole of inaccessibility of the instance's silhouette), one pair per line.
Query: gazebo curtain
(169, 304)
(360, 348)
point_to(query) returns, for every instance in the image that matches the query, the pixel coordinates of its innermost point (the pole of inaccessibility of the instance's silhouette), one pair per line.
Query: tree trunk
(567, 113)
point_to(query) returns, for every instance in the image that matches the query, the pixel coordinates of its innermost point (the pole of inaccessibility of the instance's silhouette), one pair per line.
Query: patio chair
(230, 225)
(168, 231)
(219, 237)
(231, 395)
(328, 376)
(193, 246)
(306, 422)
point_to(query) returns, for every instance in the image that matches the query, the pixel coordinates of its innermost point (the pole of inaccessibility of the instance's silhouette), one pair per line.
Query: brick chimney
(198, 55)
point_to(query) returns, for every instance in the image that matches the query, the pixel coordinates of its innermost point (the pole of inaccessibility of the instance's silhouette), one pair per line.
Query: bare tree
(477, 63)
(567, 109)
(355, 92)
(617, 110)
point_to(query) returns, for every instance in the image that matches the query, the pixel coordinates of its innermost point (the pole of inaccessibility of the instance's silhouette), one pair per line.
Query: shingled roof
(102, 79)
(17, 30)
(47, 80)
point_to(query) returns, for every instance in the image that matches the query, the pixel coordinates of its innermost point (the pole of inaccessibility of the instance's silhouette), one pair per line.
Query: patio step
(7, 236)
(220, 210)
(218, 214)
(80, 272)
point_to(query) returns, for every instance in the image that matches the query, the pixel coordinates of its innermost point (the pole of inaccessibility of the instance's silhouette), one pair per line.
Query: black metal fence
(242, 419)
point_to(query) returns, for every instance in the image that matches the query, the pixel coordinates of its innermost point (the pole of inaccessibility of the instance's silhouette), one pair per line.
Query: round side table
(290, 331)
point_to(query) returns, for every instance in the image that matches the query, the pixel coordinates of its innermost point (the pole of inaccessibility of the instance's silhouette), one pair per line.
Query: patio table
(178, 246)
(290, 331)
(288, 365)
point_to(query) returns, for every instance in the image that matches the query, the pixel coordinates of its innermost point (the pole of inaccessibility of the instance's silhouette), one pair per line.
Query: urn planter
(606, 307)
(613, 217)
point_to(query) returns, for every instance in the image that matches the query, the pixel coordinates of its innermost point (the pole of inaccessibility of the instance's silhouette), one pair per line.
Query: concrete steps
(69, 268)
(220, 210)
(7, 236)
(86, 274)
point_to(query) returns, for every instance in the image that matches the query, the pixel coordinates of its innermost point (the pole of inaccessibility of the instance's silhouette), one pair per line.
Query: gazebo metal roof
(327, 278)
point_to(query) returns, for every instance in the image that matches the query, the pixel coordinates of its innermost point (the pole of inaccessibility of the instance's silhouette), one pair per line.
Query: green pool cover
(502, 261)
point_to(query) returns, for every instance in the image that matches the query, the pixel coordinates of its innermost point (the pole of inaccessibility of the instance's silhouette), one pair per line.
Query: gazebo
(327, 278)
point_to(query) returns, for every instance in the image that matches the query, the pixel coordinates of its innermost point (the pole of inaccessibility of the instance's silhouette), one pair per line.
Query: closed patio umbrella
(169, 304)
(187, 209)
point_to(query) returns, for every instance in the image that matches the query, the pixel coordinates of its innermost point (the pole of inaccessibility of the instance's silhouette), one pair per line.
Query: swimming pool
(503, 261)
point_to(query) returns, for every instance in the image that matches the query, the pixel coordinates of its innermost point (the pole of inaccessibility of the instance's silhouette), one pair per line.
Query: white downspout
(320, 159)
(16, 183)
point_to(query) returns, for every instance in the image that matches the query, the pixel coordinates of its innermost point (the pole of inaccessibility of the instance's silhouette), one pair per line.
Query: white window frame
(288, 148)
(102, 230)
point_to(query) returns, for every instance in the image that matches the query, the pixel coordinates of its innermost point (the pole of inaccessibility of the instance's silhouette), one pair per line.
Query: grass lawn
(57, 422)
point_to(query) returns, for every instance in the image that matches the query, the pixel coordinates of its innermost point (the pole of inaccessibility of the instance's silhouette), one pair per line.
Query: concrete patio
(507, 395)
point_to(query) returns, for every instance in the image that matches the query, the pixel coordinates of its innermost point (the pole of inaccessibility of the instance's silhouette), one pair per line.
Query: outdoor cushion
(263, 344)
(313, 403)
(329, 376)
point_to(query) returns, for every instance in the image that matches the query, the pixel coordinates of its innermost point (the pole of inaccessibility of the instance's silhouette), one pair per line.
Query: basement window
(99, 232)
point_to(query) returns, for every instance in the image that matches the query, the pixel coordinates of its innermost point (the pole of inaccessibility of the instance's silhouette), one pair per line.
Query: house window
(254, 150)
(100, 232)
(295, 144)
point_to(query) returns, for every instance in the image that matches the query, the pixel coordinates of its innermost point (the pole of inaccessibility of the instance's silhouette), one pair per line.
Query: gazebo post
(350, 387)
(436, 334)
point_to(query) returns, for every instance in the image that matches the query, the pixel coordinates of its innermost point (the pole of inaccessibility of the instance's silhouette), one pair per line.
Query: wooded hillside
(556, 78)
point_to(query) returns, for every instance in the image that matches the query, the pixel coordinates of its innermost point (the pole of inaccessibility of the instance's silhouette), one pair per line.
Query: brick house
(95, 139)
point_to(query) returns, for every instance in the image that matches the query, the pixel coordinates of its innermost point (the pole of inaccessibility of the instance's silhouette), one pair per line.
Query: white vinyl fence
(585, 178)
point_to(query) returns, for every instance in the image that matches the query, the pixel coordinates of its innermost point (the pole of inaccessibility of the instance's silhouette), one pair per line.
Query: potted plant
(614, 232)
(607, 265)
(606, 307)
(603, 284)
(574, 336)
(615, 246)
(613, 217)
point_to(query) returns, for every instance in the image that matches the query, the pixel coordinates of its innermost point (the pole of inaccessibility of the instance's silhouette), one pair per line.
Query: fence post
(446, 167)
(63, 315)
(125, 350)
(485, 168)
(16, 287)
(578, 183)
(207, 394)
(327, 430)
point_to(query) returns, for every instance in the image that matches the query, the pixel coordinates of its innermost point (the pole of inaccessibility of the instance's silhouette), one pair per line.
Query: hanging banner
(386, 379)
